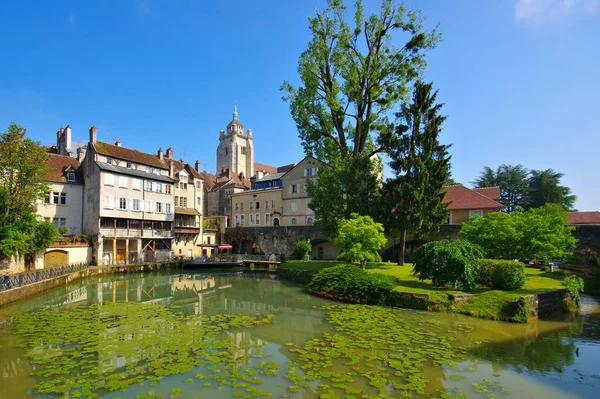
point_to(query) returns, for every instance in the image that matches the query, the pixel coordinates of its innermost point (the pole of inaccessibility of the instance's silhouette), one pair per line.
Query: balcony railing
(33, 276)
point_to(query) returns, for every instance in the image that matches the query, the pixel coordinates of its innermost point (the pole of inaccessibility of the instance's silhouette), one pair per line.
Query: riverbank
(18, 293)
(542, 294)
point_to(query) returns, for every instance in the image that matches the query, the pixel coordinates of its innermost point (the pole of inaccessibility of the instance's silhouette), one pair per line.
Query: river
(211, 334)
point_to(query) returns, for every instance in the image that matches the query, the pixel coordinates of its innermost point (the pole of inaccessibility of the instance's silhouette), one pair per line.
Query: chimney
(80, 154)
(67, 136)
(160, 154)
(118, 143)
(93, 134)
(197, 166)
(169, 152)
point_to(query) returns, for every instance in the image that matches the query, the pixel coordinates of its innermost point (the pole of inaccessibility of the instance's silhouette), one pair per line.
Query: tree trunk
(402, 247)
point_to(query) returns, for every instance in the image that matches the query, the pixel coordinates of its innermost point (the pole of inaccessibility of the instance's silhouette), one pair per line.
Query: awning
(225, 246)
(186, 211)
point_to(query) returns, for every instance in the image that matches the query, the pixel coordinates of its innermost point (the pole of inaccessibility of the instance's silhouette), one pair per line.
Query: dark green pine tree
(414, 197)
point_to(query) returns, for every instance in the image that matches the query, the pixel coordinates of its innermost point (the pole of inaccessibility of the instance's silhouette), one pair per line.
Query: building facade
(235, 153)
(189, 203)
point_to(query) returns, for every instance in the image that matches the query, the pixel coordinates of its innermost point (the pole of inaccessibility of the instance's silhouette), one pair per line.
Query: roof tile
(461, 197)
(584, 217)
(127, 154)
(57, 166)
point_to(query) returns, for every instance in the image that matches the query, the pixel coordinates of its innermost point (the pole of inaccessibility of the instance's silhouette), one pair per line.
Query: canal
(211, 334)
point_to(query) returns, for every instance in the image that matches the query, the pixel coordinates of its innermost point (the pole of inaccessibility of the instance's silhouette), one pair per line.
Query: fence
(33, 276)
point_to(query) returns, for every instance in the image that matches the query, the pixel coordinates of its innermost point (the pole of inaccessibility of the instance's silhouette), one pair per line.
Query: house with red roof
(584, 218)
(464, 202)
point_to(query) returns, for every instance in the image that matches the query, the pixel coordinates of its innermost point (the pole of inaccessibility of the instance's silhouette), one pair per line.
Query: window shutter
(290, 189)
(305, 170)
(111, 202)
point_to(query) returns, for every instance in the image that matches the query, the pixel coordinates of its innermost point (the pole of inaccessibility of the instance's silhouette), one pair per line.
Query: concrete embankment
(17, 293)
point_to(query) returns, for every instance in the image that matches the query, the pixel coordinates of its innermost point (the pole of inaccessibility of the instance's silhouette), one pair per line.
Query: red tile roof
(461, 197)
(285, 168)
(264, 168)
(584, 217)
(57, 166)
(127, 154)
(490, 192)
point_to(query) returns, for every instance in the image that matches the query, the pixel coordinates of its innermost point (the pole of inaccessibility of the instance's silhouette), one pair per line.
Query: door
(56, 258)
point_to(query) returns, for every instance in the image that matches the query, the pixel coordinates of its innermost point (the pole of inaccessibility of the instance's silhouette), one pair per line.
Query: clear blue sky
(520, 78)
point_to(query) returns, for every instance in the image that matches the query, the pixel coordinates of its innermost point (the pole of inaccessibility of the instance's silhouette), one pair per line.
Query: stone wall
(547, 302)
(274, 239)
(13, 264)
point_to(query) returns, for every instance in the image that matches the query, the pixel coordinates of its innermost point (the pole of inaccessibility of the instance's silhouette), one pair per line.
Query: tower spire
(235, 115)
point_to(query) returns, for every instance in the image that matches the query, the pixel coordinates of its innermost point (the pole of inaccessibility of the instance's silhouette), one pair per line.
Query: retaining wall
(548, 302)
(17, 293)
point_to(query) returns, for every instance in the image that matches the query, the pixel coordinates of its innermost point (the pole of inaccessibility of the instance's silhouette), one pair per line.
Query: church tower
(235, 154)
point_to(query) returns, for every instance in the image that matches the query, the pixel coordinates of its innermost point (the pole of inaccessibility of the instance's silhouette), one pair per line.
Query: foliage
(63, 230)
(448, 262)
(575, 286)
(544, 188)
(414, 197)
(508, 275)
(303, 249)
(352, 186)
(484, 271)
(283, 259)
(512, 181)
(523, 235)
(360, 239)
(23, 181)
(349, 283)
(520, 187)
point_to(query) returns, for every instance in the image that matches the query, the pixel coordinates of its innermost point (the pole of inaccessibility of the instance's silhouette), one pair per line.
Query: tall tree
(512, 181)
(545, 188)
(351, 77)
(421, 165)
(360, 238)
(23, 181)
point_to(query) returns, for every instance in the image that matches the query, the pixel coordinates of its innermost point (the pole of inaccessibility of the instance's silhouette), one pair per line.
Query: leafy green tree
(414, 197)
(512, 180)
(23, 181)
(360, 238)
(303, 249)
(523, 235)
(448, 262)
(351, 77)
(545, 188)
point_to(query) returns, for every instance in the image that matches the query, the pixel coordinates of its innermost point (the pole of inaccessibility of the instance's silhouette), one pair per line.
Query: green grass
(486, 303)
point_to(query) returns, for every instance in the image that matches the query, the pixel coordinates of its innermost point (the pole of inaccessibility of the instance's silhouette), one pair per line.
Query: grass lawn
(486, 303)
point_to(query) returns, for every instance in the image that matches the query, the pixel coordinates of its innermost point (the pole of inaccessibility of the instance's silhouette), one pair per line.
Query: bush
(574, 285)
(350, 283)
(508, 275)
(62, 230)
(303, 249)
(484, 271)
(448, 262)
(283, 259)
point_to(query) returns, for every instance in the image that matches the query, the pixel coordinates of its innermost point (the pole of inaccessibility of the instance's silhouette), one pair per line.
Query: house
(128, 203)
(465, 202)
(584, 218)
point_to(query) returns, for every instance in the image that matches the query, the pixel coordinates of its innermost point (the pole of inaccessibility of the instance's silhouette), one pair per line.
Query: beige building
(235, 153)
(189, 202)
(128, 203)
(296, 211)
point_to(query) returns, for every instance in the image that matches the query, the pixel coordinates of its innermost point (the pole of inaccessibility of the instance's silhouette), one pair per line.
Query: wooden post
(127, 251)
(114, 259)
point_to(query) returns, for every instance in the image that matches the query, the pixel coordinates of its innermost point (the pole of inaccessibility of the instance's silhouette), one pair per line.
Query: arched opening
(56, 257)
(275, 221)
(293, 221)
(309, 222)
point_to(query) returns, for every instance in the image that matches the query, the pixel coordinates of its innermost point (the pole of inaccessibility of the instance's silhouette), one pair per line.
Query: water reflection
(545, 351)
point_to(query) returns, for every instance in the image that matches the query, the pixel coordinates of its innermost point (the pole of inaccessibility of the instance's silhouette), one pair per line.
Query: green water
(215, 335)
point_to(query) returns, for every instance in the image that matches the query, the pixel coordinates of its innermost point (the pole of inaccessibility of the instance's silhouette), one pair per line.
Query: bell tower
(235, 154)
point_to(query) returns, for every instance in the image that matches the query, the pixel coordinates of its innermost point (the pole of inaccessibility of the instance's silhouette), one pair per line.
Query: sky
(519, 78)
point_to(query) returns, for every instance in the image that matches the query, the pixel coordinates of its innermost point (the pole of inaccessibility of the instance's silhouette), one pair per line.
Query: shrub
(303, 249)
(508, 275)
(62, 230)
(574, 285)
(283, 259)
(448, 262)
(350, 283)
(484, 271)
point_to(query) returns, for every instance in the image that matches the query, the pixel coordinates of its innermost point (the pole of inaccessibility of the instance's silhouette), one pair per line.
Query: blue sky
(520, 78)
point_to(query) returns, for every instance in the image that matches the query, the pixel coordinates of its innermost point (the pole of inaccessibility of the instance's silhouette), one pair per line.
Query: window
(251, 220)
(149, 206)
(294, 188)
(208, 240)
(47, 198)
(244, 150)
(198, 184)
(58, 222)
(237, 206)
(226, 151)
(267, 219)
(55, 198)
(149, 169)
(159, 207)
(241, 206)
(168, 208)
(237, 220)
(267, 204)
(136, 184)
(198, 200)
(257, 204)
(168, 189)
(147, 185)
(121, 223)
(109, 161)
(135, 204)
(273, 204)
(241, 220)
(70, 177)
(252, 205)
(183, 185)
(109, 179)
(176, 201)
(477, 212)
(309, 222)
(122, 203)
(257, 219)
(294, 208)
(308, 172)
(183, 201)
(109, 202)
(129, 165)
(293, 221)
(123, 181)
(63, 198)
